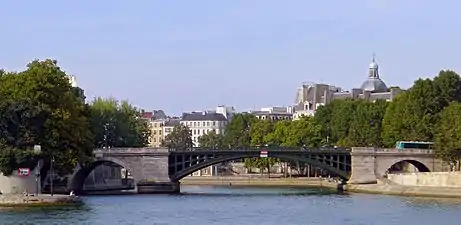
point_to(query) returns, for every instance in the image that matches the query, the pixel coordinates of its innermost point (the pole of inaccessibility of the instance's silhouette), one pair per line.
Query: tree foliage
(118, 124)
(180, 138)
(414, 114)
(39, 106)
(448, 136)
(211, 140)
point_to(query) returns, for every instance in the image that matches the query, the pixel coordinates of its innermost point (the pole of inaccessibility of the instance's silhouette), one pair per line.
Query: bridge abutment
(363, 161)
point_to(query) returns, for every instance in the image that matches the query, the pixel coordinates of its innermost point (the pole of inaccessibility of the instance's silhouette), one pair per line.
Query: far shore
(381, 188)
(259, 181)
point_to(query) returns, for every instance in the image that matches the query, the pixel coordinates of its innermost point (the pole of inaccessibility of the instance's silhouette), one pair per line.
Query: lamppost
(37, 151)
(52, 175)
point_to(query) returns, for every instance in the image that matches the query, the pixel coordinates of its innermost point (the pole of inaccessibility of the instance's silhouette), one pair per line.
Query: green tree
(335, 119)
(211, 140)
(118, 124)
(41, 107)
(365, 126)
(412, 115)
(259, 129)
(237, 132)
(180, 138)
(448, 136)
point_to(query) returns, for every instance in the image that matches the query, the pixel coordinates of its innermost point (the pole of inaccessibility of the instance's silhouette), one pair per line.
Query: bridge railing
(261, 148)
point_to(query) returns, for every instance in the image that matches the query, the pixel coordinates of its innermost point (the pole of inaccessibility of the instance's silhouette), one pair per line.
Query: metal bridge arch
(342, 169)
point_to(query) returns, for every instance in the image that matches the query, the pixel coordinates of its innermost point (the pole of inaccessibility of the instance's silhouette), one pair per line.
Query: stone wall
(434, 179)
(15, 184)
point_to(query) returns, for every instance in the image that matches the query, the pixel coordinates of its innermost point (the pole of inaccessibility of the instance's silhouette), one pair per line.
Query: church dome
(374, 85)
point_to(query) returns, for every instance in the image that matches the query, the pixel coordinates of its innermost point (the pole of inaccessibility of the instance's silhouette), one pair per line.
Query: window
(195, 124)
(155, 132)
(160, 132)
(195, 131)
(214, 123)
(203, 124)
(208, 123)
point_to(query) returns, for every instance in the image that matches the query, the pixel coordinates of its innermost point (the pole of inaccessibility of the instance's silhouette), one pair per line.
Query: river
(206, 205)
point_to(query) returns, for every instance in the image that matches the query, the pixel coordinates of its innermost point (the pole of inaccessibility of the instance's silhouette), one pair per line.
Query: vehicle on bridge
(414, 144)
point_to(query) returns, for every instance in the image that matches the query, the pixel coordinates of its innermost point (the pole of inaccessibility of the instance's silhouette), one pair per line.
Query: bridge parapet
(407, 150)
(145, 150)
(384, 151)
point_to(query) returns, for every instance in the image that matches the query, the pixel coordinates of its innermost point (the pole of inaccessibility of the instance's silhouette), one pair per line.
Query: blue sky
(191, 55)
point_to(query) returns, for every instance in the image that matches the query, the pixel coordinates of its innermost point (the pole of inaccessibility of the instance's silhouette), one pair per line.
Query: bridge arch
(77, 179)
(421, 164)
(193, 168)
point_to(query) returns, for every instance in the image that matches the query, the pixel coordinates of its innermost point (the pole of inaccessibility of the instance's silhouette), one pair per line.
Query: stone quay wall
(431, 179)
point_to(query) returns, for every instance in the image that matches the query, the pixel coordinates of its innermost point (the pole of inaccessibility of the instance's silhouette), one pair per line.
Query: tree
(365, 126)
(237, 132)
(180, 138)
(259, 129)
(412, 115)
(335, 119)
(39, 106)
(448, 136)
(118, 124)
(211, 140)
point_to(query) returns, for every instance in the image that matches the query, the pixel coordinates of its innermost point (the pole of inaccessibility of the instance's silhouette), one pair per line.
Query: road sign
(23, 172)
(263, 154)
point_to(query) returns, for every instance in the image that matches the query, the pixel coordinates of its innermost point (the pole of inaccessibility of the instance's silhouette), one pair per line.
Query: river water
(206, 205)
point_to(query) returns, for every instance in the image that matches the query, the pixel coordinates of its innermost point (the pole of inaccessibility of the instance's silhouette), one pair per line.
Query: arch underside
(320, 163)
(421, 167)
(77, 180)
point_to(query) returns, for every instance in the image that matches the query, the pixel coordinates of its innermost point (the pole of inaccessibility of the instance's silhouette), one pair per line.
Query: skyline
(161, 55)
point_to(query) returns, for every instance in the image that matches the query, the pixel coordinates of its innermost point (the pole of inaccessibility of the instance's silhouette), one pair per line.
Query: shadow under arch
(421, 167)
(185, 172)
(77, 179)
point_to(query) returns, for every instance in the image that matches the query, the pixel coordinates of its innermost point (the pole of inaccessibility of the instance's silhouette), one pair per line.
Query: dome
(374, 85)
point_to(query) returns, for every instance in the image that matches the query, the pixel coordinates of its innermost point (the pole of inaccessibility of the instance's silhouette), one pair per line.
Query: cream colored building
(157, 133)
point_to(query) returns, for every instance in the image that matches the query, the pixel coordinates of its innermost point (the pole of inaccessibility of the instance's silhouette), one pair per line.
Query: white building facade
(201, 123)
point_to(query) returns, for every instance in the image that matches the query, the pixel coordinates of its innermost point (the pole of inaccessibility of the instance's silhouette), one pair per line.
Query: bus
(414, 144)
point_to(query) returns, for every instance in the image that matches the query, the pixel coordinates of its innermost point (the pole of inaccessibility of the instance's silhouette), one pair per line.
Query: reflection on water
(245, 205)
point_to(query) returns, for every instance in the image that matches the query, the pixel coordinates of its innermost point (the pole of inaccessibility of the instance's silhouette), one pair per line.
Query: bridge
(151, 166)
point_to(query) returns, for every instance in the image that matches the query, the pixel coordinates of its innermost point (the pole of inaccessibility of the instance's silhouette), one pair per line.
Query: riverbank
(413, 191)
(259, 181)
(18, 200)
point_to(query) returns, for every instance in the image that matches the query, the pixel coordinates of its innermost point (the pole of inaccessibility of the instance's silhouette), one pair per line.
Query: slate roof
(198, 116)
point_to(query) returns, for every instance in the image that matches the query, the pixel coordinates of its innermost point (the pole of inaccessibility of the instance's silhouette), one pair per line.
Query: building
(201, 123)
(156, 120)
(274, 113)
(312, 95)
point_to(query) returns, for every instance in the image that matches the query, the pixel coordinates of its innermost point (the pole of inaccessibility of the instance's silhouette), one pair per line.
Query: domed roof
(374, 84)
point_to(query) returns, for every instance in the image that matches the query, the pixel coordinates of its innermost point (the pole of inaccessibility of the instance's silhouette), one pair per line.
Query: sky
(185, 55)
